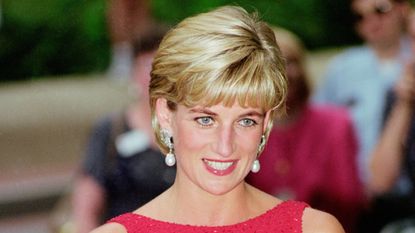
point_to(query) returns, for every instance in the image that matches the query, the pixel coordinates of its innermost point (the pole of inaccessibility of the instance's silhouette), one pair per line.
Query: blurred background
(54, 60)
(48, 37)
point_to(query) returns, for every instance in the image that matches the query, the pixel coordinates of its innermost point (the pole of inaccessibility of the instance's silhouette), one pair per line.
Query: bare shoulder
(110, 228)
(315, 221)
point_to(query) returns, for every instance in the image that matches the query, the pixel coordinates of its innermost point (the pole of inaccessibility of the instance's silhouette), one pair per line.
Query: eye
(205, 121)
(246, 122)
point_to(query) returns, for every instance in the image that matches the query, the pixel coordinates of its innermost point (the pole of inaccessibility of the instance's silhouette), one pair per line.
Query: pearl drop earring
(256, 166)
(167, 139)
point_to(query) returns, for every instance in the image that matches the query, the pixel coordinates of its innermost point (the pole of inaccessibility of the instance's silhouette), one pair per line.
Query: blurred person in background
(393, 160)
(311, 152)
(360, 77)
(123, 168)
(127, 20)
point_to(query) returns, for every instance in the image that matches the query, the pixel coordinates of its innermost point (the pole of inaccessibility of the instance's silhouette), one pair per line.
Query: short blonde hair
(221, 56)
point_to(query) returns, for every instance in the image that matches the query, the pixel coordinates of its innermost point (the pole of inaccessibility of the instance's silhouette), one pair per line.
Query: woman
(311, 151)
(217, 80)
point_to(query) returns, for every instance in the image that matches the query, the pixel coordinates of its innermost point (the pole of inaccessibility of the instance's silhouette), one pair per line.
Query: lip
(220, 167)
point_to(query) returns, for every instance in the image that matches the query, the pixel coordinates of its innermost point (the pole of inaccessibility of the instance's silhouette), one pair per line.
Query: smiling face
(214, 146)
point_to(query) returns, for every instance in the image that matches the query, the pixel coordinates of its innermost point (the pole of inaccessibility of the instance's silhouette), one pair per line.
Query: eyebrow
(208, 112)
(254, 113)
(203, 110)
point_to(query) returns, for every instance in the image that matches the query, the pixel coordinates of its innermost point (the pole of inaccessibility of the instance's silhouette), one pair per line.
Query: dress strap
(127, 220)
(290, 216)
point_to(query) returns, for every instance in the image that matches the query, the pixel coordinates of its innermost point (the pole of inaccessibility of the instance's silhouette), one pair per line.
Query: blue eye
(247, 122)
(204, 121)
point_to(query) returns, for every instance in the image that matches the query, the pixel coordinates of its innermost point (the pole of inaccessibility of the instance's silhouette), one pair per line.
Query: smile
(220, 168)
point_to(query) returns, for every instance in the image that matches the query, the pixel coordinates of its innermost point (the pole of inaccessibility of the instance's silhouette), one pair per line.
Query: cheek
(363, 29)
(393, 26)
(246, 144)
(188, 140)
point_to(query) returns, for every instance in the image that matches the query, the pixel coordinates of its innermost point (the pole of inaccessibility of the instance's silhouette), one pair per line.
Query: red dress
(285, 217)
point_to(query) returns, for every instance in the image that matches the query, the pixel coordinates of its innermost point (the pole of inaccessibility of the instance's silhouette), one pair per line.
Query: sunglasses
(380, 8)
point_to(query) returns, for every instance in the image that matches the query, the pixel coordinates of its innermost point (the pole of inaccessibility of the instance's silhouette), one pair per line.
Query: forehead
(367, 5)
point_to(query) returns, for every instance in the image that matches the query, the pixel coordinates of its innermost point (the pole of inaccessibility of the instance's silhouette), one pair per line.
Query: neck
(387, 51)
(195, 206)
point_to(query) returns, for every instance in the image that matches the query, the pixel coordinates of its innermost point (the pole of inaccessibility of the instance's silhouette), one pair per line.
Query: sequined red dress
(285, 217)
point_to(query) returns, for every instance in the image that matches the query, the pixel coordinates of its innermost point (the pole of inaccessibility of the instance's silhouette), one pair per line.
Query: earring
(167, 139)
(170, 160)
(261, 144)
(256, 166)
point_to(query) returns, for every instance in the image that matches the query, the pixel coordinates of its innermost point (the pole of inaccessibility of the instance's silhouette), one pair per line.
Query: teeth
(219, 165)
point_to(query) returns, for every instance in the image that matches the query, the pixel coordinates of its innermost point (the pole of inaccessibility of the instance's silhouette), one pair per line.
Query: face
(379, 22)
(141, 75)
(295, 76)
(214, 146)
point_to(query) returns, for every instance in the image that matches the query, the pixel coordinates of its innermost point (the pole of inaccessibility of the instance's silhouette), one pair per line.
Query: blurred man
(360, 77)
(393, 160)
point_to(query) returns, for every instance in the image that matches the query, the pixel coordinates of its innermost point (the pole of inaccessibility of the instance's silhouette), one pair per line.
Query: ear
(266, 121)
(163, 114)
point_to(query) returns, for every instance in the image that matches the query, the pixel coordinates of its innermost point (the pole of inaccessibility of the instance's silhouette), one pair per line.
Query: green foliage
(319, 23)
(55, 37)
(50, 37)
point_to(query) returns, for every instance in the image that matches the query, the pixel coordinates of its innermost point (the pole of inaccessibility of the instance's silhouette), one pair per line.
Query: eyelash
(200, 119)
(241, 122)
(252, 122)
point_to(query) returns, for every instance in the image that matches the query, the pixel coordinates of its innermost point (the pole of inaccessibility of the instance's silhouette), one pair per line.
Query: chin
(219, 188)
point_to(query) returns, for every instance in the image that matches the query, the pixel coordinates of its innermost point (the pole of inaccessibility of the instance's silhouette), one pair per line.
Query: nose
(224, 144)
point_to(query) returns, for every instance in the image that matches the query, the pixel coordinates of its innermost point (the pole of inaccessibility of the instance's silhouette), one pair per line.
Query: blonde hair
(221, 56)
